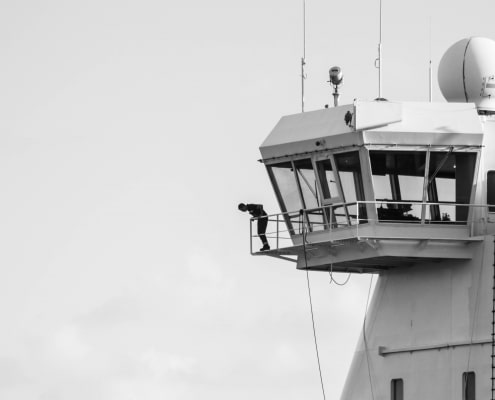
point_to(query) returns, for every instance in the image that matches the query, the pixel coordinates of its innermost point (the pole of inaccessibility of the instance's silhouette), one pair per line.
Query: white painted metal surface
(467, 72)
(427, 306)
(374, 122)
(429, 321)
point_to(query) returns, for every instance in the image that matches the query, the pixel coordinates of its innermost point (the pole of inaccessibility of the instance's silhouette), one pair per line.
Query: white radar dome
(466, 73)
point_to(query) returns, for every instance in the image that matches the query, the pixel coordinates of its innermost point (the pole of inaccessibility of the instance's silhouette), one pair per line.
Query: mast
(378, 61)
(430, 78)
(303, 58)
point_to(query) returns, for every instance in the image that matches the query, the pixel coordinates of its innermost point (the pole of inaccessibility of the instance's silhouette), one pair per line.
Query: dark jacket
(256, 210)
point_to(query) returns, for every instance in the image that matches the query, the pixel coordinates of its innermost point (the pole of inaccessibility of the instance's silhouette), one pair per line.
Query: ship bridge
(374, 185)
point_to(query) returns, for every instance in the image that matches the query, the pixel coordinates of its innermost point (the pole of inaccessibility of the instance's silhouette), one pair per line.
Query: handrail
(325, 218)
(378, 202)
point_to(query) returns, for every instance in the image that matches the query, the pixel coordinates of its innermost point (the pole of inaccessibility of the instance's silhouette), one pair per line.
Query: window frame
(466, 394)
(488, 197)
(368, 188)
(397, 389)
(428, 149)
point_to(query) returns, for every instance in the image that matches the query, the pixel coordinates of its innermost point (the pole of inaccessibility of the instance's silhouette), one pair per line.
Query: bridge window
(490, 190)
(351, 179)
(328, 196)
(397, 389)
(398, 179)
(286, 186)
(335, 211)
(306, 180)
(450, 182)
(402, 182)
(328, 180)
(296, 188)
(468, 386)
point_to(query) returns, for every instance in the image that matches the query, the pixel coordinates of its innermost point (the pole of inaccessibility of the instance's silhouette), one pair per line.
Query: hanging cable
(332, 279)
(366, 341)
(311, 307)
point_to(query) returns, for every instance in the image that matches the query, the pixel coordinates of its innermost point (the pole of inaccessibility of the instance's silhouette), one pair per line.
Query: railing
(285, 228)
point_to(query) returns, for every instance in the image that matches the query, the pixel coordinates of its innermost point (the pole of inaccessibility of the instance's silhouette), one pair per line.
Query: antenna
(303, 59)
(430, 83)
(380, 56)
(336, 79)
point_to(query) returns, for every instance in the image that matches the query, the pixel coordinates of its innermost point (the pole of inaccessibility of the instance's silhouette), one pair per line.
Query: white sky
(129, 131)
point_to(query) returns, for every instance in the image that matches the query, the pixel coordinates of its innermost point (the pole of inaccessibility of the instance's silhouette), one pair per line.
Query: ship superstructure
(405, 190)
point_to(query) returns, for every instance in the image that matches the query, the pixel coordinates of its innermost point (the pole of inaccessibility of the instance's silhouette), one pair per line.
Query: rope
(312, 315)
(334, 281)
(366, 341)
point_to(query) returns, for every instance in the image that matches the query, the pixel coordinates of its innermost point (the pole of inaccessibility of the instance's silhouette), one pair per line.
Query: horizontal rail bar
(383, 351)
(325, 218)
(417, 203)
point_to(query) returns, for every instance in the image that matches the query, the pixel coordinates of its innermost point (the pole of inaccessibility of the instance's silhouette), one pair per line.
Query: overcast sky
(129, 131)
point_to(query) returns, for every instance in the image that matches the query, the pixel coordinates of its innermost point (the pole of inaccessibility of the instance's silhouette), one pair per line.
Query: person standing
(256, 211)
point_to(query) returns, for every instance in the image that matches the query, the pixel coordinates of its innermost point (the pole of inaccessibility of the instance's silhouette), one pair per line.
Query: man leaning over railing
(256, 211)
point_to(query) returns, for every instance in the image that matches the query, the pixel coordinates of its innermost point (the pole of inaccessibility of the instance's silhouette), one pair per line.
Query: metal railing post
(471, 223)
(357, 218)
(251, 236)
(477, 220)
(332, 218)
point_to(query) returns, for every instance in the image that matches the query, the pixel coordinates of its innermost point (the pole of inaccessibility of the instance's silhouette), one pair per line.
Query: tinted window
(286, 186)
(398, 182)
(397, 389)
(490, 190)
(351, 179)
(468, 386)
(450, 180)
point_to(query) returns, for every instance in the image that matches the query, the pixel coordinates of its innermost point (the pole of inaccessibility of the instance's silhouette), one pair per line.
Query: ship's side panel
(486, 222)
(427, 325)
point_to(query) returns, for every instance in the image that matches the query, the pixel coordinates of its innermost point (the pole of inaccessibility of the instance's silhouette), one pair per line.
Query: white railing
(283, 228)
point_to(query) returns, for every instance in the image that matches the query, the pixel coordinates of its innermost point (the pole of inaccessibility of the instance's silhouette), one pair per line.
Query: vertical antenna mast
(378, 61)
(303, 59)
(430, 92)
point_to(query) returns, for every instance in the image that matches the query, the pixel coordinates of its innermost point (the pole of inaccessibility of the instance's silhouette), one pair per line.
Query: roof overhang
(375, 122)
